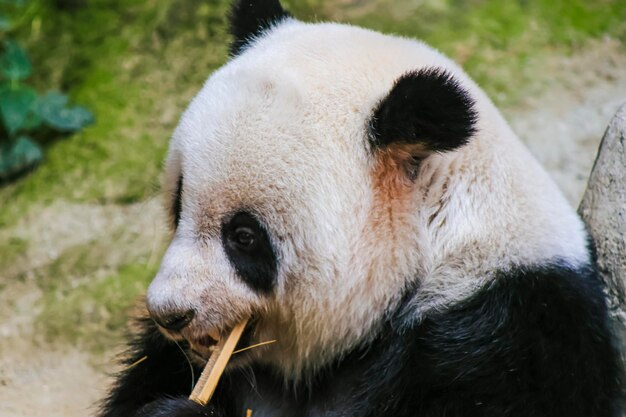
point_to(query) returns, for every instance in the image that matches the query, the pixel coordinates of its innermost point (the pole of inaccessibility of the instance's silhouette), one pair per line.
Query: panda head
(324, 172)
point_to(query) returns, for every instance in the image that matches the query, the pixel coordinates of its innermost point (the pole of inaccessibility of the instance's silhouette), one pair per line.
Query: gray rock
(603, 208)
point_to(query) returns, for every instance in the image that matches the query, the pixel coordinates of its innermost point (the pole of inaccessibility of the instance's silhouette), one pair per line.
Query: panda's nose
(174, 321)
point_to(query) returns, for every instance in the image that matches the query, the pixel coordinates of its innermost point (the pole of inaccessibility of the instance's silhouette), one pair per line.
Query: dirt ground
(37, 379)
(562, 127)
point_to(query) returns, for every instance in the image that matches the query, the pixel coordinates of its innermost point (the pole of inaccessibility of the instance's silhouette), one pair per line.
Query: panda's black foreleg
(177, 407)
(157, 379)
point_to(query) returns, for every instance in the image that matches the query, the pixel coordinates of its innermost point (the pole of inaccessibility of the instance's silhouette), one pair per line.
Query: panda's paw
(177, 407)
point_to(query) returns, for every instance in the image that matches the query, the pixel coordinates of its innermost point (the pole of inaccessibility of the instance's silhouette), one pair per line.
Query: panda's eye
(244, 238)
(249, 250)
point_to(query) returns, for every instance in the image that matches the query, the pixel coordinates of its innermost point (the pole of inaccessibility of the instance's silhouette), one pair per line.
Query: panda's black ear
(248, 18)
(427, 108)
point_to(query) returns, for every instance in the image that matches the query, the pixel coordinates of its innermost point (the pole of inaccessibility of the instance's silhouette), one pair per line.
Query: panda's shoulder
(533, 298)
(542, 324)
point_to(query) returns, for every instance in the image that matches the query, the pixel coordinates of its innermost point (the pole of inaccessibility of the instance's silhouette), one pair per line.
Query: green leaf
(14, 62)
(32, 120)
(15, 106)
(17, 3)
(53, 111)
(18, 156)
(5, 23)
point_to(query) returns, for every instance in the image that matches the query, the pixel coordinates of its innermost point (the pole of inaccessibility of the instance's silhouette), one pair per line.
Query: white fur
(281, 129)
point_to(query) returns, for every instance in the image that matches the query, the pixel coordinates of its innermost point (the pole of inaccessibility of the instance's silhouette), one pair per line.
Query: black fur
(249, 18)
(532, 343)
(176, 407)
(256, 265)
(177, 205)
(164, 372)
(426, 107)
(535, 342)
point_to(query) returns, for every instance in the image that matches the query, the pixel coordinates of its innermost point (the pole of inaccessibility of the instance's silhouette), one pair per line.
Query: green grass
(136, 64)
(11, 251)
(93, 313)
(89, 288)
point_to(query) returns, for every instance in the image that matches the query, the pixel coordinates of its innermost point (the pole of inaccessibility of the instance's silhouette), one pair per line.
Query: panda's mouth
(205, 345)
(201, 348)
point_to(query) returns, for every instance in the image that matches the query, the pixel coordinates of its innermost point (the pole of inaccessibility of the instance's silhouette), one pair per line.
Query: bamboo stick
(215, 366)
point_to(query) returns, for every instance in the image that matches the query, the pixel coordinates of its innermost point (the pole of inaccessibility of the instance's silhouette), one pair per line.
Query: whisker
(251, 377)
(193, 375)
(137, 362)
(255, 345)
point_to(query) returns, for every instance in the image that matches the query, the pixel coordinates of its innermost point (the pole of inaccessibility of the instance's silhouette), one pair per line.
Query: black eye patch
(250, 251)
(177, 204)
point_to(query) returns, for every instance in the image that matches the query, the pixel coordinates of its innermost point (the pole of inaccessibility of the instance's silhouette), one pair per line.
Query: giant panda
(361, 199)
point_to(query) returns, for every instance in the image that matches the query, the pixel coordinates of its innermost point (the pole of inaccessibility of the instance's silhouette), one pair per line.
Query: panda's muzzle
(175, 321)
(177, 326)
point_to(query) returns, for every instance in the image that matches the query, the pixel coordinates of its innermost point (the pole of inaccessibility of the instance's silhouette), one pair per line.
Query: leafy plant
(24, 113)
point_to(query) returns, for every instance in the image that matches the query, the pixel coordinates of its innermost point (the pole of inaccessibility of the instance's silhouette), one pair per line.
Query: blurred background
(90, 91)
